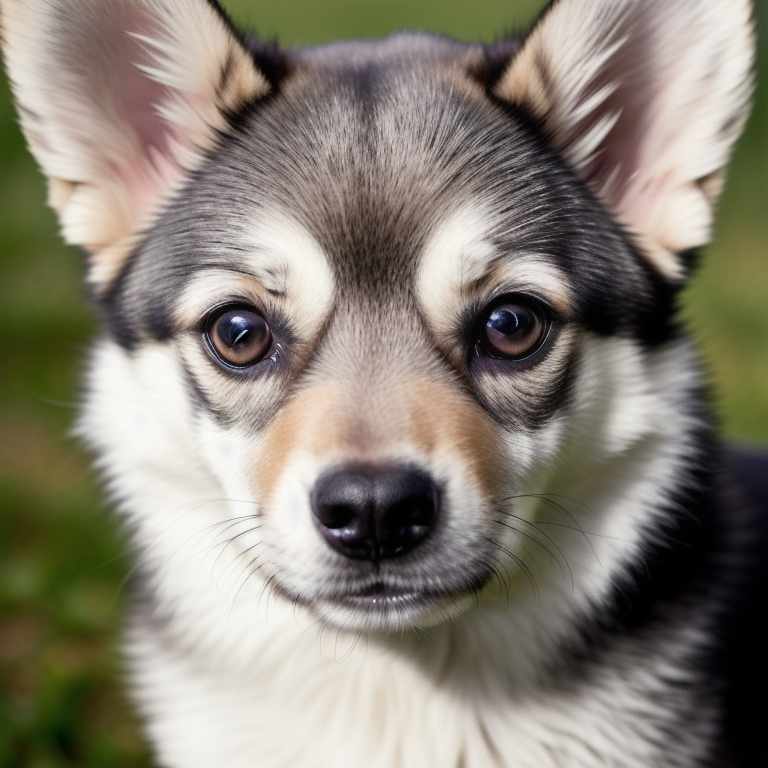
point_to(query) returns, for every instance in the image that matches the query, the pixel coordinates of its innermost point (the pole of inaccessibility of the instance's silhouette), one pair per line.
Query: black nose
(373, 513)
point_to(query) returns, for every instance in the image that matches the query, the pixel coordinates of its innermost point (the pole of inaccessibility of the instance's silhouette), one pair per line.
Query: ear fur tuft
(644, 99)
(119, 100)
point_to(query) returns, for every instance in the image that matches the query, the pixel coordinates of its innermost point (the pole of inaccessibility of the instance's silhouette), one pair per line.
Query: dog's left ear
(644, 99)
(119, 100)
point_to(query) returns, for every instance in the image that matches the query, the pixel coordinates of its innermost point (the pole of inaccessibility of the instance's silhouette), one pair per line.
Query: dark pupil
(241, 337)
(512, 331)
(508, 322)
(237, 331)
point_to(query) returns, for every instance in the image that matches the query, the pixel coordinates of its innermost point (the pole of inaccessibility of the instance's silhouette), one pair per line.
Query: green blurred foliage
(61, 567)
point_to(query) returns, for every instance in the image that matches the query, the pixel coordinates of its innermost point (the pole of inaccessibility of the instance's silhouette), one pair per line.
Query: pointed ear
(644, 99)
(119, 99)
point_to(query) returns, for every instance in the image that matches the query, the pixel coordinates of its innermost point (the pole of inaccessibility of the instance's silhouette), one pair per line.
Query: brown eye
(513, 331)
(240, 337)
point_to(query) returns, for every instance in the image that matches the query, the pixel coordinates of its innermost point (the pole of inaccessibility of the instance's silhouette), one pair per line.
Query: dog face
(388, 326)
(403, 374)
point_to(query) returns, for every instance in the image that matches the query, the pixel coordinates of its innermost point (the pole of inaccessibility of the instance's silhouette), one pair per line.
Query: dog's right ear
(119, 99)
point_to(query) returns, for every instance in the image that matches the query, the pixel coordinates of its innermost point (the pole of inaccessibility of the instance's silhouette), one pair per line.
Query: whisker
(245, 568)
(267, 588)
(250, 570)
(200, 532)
(338, 659)
(548, 499)
(503, 581)
(206, 550)
(520, 564)
(224, 544)
(558, 560)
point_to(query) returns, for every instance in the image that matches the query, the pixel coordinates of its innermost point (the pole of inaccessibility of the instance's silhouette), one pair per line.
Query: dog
(391, 391)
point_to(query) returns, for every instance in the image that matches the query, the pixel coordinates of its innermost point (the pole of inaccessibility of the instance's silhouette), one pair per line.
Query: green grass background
(61, 567)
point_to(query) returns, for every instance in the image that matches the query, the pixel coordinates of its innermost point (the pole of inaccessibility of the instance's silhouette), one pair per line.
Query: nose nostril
(335, 516)
(375, 513)
(413, 511)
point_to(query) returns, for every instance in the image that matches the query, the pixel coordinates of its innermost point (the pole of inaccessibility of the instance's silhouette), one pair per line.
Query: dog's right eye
(239, 337)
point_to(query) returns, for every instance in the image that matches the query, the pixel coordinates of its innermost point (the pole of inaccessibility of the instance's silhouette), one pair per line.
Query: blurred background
(61, 556)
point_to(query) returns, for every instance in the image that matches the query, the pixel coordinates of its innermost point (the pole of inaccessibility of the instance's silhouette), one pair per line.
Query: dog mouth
(380, 606)
(380, 595)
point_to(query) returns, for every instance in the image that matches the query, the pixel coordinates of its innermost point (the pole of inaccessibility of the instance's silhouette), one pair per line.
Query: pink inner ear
(141, 99)
(680, 88)
(635, 82)
(142, 154)
(118, 100)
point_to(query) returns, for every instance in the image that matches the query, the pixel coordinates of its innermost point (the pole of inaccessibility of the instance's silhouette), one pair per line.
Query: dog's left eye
(239, 337)
(513, 330)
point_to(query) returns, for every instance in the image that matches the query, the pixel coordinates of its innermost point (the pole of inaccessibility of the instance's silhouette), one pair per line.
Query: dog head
(388, 326)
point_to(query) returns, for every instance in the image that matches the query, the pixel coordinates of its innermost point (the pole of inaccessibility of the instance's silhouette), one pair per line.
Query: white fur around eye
(459, 255)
